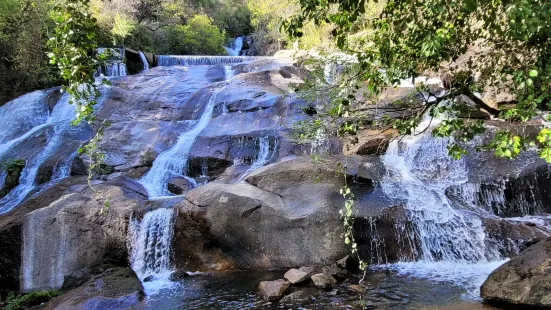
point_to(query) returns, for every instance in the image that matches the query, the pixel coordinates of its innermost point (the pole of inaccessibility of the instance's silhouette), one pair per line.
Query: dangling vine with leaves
(73, 46)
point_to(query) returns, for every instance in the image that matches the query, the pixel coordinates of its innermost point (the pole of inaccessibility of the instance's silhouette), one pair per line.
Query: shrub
(198, 37)
(29, 300)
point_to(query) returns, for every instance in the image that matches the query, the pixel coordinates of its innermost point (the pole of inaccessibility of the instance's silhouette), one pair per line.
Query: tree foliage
(23, 34)
(479, 46)
(267, 17)
(198, 37)
(73, 45)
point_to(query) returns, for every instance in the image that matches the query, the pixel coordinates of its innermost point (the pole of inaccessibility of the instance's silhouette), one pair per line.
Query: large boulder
(117, 288)
(284, 215)
(524, 280)
(11, 226)
(77, 231)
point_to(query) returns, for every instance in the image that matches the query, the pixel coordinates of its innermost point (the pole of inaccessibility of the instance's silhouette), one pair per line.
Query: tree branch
(481, 103)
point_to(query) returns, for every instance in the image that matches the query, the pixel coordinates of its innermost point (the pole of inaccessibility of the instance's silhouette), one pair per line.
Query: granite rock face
(524, 280)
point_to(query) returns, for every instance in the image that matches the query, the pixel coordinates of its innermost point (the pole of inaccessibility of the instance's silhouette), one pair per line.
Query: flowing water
(144, 62)
(56, 126)
(235, 47)
(262, 158)
(451, 240)
(174, 60)
(173, 162)
(150, 240)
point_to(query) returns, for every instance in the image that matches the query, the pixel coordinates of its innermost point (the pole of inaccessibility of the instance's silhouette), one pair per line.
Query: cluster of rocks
(323, 277)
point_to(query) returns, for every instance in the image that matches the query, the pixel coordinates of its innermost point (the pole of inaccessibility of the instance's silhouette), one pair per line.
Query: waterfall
(144, 61)
(420, 171)
(450, 239)
(56, 125)
(235, 47)
(21, 115)
(150, 241)
(174, 60)
(115, 69)
(261, 159)
(173, 161)
(229, 72)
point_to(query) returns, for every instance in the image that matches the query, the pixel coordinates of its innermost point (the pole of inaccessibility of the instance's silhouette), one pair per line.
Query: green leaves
(72, 42)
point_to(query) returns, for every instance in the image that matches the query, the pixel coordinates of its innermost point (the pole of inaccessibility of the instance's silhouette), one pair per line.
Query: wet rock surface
(10, 231)
(524, 280)
(324, 280)
(273, 290)
(117, 288)
(296, 276)
(75, 233)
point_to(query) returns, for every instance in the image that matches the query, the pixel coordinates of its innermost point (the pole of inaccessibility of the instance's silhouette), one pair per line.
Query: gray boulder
(524, 280)
(273, 290)
(323, 280)
(296, 276)
(73, 233)
(284, 215)
(117, 288)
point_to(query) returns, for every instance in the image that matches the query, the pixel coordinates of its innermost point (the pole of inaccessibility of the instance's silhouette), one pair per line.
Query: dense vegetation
(23, 35)
(29, 300)
(157, 26)
(478, 46)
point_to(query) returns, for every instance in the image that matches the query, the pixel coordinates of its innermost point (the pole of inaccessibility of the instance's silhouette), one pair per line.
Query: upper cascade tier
(175, 60)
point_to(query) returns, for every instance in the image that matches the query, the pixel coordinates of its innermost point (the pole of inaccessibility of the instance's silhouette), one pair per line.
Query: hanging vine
(73, 47)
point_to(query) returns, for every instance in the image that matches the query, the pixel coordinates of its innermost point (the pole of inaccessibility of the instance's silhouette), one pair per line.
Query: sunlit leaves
(72, 45)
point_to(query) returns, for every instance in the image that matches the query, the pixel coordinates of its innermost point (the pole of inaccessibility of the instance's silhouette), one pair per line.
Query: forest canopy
(494, 55)
(156, 26)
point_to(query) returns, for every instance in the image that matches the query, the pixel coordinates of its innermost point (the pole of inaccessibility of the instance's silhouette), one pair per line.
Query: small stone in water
(323, 280)
(356, 288)
(273, 290)
(296, 276)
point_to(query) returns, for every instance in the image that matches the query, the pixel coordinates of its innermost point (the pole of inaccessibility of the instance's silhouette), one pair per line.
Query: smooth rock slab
(296, 276)
(525, 279)
(273, 290)
(323, 280)
(117, 288)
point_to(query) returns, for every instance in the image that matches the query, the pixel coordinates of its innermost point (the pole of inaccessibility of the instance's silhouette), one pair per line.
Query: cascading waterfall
(21, 115)
(235, 47)
(229, 72)
(150, 242)
(262, 158)
(57, 123)
(60, 119)
(173, 161)
(115, 69)
(419, 171)
(144, 62)
(175, 60)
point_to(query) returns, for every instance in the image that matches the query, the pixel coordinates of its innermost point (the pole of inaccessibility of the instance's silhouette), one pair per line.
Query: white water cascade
(144, 62)
(174, 60)
(451, 240)
(235, 47)
(150, 242)
(115, 69)
(173, 161)
(55, 126)
(60, 120)
(262, 158)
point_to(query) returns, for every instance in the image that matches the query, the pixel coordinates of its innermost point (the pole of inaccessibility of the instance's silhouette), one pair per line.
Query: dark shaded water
(238, 290)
